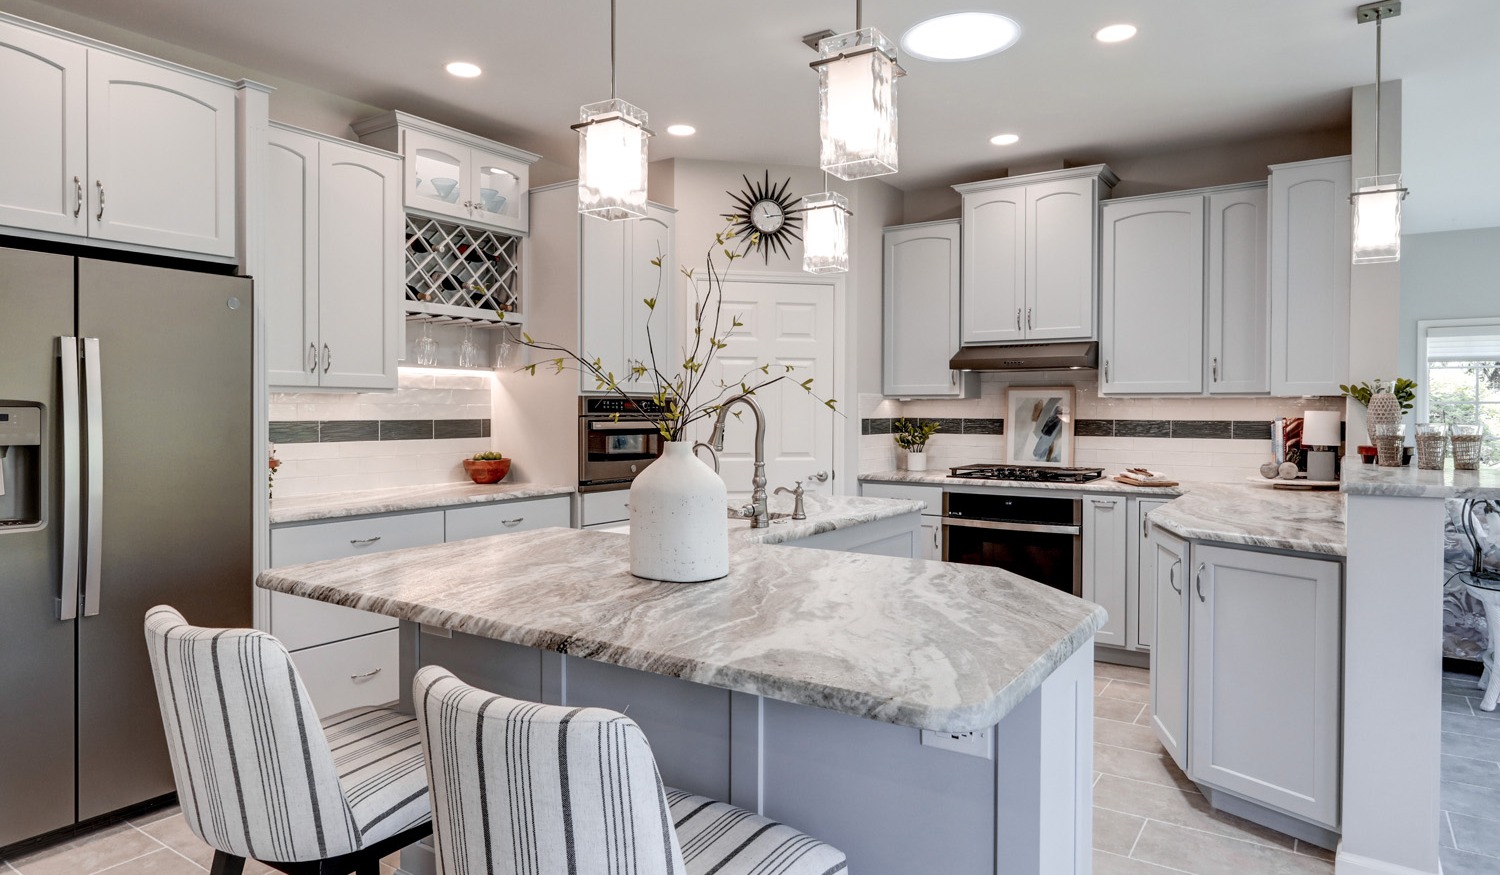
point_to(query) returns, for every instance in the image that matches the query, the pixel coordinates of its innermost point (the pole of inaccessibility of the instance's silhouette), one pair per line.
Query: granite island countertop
(825, 513)
(925, 644)
(1409, 481)
(398, 499)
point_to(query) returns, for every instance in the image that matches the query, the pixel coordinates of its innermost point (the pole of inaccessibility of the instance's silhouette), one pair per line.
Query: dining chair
(260, 777)
(523, 787)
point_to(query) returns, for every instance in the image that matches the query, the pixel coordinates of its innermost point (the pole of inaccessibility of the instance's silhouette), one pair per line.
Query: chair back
(253, 769)
(519, 787)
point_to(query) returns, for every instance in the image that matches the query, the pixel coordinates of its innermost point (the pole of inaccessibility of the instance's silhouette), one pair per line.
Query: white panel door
(1239, 293)
(785, 323)
(161, 157)
(648, 239)
(604, 311)
(921, 310)
(994, 265)
(1104, 530)
(1060, 259)
(1141, 595)
(288, 284)
(1265, 691)
(359, 267)
(43, 174)
(1169, 649)
(1310, 263)
(1152, 340)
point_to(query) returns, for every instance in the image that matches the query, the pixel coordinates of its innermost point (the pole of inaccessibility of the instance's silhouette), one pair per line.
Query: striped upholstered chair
(258, 776)
(520, 787)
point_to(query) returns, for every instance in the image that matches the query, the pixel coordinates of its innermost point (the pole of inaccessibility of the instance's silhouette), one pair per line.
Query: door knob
(821, 477)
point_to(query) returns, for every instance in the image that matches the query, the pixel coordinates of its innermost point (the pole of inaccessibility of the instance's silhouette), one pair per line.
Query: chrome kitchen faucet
(762, 516)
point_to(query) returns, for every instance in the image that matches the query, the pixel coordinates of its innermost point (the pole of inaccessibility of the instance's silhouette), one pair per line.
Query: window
(1462, 385)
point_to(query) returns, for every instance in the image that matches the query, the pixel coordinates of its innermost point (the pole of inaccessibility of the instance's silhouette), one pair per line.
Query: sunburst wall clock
(766, 216)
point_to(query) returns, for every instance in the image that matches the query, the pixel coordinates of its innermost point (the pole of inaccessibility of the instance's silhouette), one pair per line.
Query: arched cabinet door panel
(42, 99)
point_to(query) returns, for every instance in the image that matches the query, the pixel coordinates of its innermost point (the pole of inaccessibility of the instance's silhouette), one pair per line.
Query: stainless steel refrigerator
(126, 451)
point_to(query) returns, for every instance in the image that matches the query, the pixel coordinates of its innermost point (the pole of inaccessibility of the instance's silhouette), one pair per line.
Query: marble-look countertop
(926, 644)
(1409, 481)
(940, 477)
(1258, 516)
(303, 508)
(825, 513)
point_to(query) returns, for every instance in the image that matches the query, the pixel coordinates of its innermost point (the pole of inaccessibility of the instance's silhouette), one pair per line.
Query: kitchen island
(817, 687)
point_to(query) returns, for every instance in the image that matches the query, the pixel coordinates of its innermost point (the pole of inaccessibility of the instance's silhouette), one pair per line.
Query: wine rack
(465, 274)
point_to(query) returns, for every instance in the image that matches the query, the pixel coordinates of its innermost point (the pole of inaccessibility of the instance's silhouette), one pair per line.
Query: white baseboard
(1345, 863)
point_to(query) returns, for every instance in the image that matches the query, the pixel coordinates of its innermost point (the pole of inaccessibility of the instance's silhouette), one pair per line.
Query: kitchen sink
(734, 514)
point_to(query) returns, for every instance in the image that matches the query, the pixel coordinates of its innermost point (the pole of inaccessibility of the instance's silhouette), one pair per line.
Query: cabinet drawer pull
(515, 522)
(327, 358)
(77, 196)
(312, 358)
(99, 216)
(364, 542)
(1018, 318)
(1028, 319)
(1216, 369)
(1172, 576)
(1198, 582)
(368, 674)
(1106, 502)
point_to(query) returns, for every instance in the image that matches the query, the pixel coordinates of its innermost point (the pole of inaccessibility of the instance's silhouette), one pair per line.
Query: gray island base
(820, 688)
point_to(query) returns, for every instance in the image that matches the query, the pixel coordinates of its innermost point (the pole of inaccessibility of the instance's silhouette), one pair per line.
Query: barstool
(1486, 591)
(522, 787)
(259, 776)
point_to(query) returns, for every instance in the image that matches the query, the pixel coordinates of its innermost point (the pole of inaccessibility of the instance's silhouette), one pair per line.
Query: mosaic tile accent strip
(1216, 429)
(945, 426)
(332, 431)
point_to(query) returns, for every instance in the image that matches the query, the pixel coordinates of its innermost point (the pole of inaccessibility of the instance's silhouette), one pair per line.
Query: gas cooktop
(1027, 473)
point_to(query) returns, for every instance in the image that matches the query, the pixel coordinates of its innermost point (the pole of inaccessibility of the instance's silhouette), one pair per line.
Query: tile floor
(1149, 819)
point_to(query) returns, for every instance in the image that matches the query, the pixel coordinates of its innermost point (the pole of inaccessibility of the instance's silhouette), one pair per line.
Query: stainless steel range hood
(1072, 356)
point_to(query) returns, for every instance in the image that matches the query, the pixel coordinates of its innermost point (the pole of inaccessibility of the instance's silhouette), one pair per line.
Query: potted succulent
(912, 435)
(487, 467)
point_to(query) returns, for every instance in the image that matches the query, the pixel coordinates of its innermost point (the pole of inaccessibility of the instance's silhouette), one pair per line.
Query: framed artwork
(1039, 426)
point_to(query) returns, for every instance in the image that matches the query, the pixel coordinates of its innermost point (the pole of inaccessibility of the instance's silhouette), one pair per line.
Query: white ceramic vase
(679, 528)
(916, 461)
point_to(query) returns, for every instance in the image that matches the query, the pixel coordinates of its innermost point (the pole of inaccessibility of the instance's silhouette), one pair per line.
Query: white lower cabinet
(1140, 576)
(930, 539)
(1104, 533)
(348, 674)
(1246, 673)
(929, 543)
(483, 520)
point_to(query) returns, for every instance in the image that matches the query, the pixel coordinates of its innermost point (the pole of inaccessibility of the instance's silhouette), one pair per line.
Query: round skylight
(960, 36)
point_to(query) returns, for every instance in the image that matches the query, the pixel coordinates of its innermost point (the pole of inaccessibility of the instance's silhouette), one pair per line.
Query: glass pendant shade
(857, 104)
(825, 240)
(1377, 218)
(612, 137)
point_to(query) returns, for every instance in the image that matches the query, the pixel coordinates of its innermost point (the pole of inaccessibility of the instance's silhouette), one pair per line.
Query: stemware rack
(461, 275)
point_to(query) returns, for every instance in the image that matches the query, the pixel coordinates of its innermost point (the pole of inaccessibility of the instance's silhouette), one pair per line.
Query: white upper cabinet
(1030, 266)
(1152, 338)
(616, 278)
(42, 88)
(454, 174)
(1310, 266)
(114, 147)
(921, 310)
(1239, 297)
(333, 282)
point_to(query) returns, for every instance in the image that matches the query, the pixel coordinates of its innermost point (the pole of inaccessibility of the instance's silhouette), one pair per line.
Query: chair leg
(228, 864)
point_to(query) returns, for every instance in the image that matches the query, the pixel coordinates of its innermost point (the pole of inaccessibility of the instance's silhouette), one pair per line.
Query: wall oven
(615, 442)
(1034, 536)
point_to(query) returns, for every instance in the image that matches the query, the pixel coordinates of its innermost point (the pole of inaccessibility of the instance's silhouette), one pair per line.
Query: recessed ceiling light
(960, 36)
(1115, 33)
(463, 69)
(681, 130)
(1005, 139)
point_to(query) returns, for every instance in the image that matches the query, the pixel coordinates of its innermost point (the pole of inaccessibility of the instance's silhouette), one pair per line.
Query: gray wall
(1446, 275)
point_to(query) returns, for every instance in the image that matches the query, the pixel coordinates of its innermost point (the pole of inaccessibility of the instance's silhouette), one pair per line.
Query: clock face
(766, 216)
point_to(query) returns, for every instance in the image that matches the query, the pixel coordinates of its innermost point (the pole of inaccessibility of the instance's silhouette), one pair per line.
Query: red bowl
(486, 470)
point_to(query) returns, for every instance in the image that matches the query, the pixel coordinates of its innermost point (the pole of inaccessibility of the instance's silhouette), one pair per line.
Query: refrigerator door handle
(94, 431)
(67, 586)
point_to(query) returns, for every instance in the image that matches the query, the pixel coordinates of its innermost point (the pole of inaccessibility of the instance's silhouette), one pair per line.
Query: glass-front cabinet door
(437, 175)
(500, 196)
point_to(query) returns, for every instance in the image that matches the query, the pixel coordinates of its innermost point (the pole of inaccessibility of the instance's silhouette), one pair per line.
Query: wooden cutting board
(1127, 479)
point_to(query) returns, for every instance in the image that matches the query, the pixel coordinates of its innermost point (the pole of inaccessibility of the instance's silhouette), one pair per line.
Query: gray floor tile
(1477, 835)
(1463, 863)
(1180, 807)
(101, 849)
(1114, 864)
(1122, 672)
(1115, 831)
(1470, 771)
(1207, 854)
(1128, 691)
(162, 862)
(1485, 727)
(1153, 768)
(1472, 746)
(1314, 851)
(1456, 704)
(1475, 701)
(1100, 684)
(1445, 831)
(1126, 735)
(1117, 709)
(1469, 799)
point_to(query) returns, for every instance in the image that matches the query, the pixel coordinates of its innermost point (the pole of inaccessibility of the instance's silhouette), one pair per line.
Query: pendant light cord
(612, 50)
(859, 14)
(1380, 20)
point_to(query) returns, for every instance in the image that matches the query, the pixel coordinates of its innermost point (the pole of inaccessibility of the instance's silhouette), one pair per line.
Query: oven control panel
(616, 405)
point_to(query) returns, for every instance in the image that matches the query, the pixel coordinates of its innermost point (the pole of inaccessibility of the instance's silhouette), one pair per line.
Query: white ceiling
(1199, 73)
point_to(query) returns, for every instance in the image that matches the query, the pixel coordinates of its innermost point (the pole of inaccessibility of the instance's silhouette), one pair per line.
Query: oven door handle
(633, 425)
(1013, 527)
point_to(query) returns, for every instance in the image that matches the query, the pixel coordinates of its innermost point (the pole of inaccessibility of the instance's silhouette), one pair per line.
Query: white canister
(679, 527)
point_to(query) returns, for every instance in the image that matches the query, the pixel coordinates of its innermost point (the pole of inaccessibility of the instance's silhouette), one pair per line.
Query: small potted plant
(487, 467)
(912, 435)
(1384, 403)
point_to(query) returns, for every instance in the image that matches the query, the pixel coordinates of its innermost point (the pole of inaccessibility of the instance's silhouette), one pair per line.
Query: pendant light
(857, 74)
(1377, 199)
(825, 238)
(612, 137)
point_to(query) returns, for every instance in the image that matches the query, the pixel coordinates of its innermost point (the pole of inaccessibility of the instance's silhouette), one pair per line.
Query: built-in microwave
(615, 442)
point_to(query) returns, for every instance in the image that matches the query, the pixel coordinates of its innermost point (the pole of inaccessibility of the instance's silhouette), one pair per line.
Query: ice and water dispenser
(20, 466)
